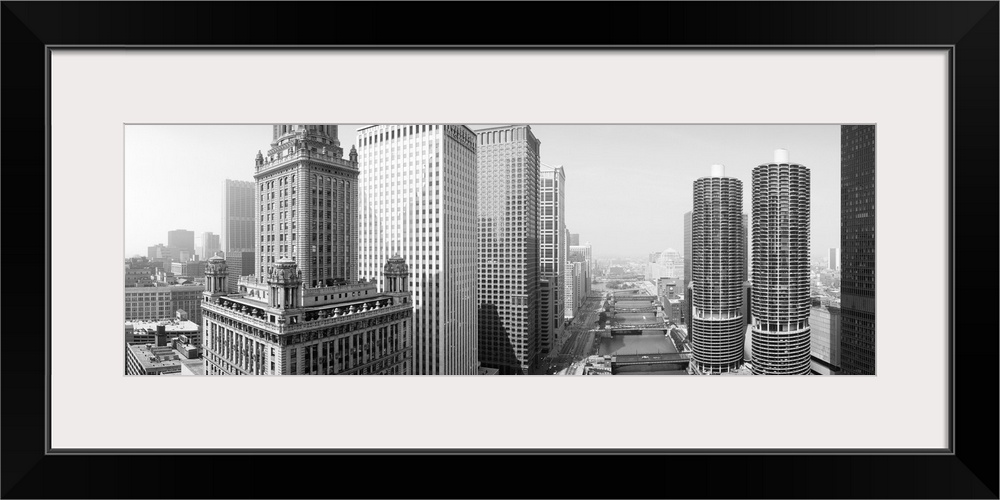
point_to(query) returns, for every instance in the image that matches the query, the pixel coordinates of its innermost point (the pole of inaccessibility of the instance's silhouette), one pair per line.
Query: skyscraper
(553, 247)
(237, 217)
(304, 311)
(209, 245)
(182, 240)
(306, 205)
(574, 239)
(584, 254)
(780, 294)
(687, 246)
(508, 188)
(418, 199)
(834, 259)
(573, 276)
(718, 325)
(569, 310)
(239, 263)
(688, 310)
(857, 241)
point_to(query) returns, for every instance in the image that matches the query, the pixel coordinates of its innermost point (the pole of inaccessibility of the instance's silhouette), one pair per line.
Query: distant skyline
(174, 176)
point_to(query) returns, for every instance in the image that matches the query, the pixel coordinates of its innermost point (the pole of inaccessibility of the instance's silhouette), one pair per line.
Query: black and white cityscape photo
(449, 249)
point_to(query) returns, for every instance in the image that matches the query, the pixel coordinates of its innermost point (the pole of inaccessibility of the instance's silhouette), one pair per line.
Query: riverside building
(717, 323)
(780, 291)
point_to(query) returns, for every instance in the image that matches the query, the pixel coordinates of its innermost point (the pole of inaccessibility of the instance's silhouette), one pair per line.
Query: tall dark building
(857, 254)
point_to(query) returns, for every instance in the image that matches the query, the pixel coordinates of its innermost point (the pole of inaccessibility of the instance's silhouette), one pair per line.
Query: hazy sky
(174, 176)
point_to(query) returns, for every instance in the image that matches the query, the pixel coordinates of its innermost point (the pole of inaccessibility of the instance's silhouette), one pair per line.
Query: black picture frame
(969, 30)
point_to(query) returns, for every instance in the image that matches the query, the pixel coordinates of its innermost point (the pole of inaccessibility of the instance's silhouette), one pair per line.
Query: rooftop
(161, 286)
(171, 325)
(501, 127)
(346, 302)
(152, 357)
(195, 366)
(408, 124)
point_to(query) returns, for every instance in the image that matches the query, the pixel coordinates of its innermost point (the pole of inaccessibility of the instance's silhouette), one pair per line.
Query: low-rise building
(163, 356)
(825, 335)
(139, 271)
(144, 332)
(674, 310)
(191, 269)
(153, 303)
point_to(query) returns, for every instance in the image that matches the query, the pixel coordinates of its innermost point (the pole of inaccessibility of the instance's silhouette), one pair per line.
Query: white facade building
(553, 246)
(418, 199)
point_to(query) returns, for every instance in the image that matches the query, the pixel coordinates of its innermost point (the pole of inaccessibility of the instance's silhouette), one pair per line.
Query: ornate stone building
(306, 205)
(303, 311)
(282, 328)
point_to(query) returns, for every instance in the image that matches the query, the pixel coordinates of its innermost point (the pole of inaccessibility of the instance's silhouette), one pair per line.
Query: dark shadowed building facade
(857, 254)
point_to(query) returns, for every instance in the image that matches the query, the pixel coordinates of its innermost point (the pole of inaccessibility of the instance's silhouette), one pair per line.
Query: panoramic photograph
(456, 249)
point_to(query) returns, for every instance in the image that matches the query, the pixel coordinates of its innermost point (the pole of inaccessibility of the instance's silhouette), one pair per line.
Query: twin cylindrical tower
(780, 277)
(717, 323)
(780, 290)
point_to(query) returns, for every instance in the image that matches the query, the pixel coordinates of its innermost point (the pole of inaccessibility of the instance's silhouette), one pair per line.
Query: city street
(580, 343)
